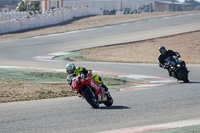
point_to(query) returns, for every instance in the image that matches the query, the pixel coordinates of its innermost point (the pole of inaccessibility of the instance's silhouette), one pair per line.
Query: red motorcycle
(93, 92)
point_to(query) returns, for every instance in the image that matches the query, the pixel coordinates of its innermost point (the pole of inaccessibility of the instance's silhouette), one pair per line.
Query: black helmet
(162, 49)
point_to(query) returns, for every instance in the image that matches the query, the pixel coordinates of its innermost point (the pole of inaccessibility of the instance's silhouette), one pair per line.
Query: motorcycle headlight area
(178, 65)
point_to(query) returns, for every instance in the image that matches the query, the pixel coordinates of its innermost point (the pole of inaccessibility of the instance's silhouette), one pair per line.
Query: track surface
(167, 103)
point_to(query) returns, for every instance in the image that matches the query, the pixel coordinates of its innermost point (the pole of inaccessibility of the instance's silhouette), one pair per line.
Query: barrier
(11, 15)
(24, 21)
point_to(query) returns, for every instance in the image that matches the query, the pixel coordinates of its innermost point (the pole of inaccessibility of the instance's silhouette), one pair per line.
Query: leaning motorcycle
(177, 68)
(93, 92)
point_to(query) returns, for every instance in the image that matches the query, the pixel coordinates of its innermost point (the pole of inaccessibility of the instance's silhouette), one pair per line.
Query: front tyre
(109, 101)
(90, 99)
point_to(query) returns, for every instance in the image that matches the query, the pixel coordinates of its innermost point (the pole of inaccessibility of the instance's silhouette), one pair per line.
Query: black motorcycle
(177, 69)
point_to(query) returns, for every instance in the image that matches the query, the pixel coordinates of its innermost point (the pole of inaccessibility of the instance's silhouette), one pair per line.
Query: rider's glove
(160, 65)
(178, 55)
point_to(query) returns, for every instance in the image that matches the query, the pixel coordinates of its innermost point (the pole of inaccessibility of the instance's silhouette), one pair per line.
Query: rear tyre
(90, 99)
(186, 81)
(183, 75)
(109, 101)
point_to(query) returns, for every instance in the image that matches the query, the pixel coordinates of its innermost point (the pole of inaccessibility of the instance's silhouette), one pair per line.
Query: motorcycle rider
(164, 54)
(73, 71)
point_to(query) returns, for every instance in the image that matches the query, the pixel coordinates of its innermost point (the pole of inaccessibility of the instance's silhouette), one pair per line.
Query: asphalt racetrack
(155, 105)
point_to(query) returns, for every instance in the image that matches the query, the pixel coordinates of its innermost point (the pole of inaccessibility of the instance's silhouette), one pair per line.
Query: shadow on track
(194, 83)
(191, 82)
(114, 107)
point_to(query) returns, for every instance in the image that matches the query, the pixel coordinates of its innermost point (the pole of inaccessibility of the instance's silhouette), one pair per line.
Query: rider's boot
(184, 65)
(78, 95)
(187, 70)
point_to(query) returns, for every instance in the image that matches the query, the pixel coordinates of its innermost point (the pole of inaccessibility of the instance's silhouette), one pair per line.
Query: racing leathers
(162, 58)
(169, 53)
(82, 70)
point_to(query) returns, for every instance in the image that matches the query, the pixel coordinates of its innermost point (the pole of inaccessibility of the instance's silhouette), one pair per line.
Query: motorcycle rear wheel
(90, 99)
(183, 75)
(109, 101)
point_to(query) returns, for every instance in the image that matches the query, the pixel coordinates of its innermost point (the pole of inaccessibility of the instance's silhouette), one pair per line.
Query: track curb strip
(153, 80)
(157, 127)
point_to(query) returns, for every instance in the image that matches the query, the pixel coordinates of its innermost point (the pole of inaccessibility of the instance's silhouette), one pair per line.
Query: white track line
(153, 82)
(156, 127)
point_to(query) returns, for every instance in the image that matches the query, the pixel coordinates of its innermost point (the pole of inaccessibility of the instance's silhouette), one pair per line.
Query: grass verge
(24, 85)
(146, 51)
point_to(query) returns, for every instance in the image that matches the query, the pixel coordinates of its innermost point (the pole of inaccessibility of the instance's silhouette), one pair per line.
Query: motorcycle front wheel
(90, 99)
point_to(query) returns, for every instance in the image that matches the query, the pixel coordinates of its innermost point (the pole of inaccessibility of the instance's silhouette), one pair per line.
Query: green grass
(49, 77)
(71, 56)
(24, 85)
(33, 76)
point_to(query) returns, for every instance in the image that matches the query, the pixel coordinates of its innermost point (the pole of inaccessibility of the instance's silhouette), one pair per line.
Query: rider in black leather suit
(164, 54)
